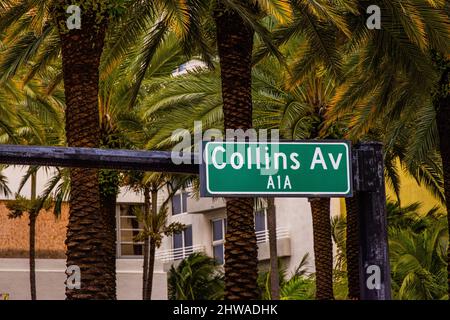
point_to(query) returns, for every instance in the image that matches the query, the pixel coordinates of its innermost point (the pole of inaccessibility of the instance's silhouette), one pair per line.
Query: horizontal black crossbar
(154, 161)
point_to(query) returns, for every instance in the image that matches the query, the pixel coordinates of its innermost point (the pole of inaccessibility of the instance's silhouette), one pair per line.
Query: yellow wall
(411, 192)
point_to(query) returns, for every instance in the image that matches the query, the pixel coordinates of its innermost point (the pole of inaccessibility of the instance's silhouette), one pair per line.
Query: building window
(260, 220)
(261, 225)
(128, 228)
(182, 243)
(219, 228)
(179, 203)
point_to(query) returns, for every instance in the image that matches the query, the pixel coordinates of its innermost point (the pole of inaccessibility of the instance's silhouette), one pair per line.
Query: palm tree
(81, 49)
(235, 53)
(88, 244)
(123, 126)
(186, 20)
(198, 277)
(236, 25)
(323, 247)
(154, 220)
(402, 140)
(32, 207)
(156, 226)
(418, 245)
(329, 53)
(298, 286)
(38, 121)
(303, 111)
(418, 263)
(341, 270)
(55, 193)
(441, 103)
(235, 46)
(393, 76)
(8, 123)
(319, 30)
(135, 182)
(244, 224)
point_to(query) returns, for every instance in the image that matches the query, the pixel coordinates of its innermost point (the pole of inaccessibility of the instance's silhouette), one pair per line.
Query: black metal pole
(375, 273)
(156, 161)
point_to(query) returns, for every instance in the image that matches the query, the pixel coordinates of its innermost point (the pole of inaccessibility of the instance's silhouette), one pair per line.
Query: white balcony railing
(182, 253)
(263, 236)
(178, 254)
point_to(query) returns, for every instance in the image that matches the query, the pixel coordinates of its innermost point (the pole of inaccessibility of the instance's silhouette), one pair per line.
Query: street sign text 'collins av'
(283, 169)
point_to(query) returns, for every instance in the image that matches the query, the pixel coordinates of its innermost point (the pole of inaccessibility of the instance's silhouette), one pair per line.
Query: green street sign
(283, 169)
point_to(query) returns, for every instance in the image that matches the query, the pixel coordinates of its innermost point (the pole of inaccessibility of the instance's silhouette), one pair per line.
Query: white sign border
(278, 193)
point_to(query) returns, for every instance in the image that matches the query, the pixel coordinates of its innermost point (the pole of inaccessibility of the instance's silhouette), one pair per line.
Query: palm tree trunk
(32, 217)
(241, 251)
(146, 244)
(87, 231)
(109, 189)
(108, 200)
(352, 246)
(32, 253)
(323, 247)
(151, 265)
(235, 45)
(442, 106)
(272, 227)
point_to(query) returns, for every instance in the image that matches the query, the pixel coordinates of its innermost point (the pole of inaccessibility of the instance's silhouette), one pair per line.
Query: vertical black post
(374, 271)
